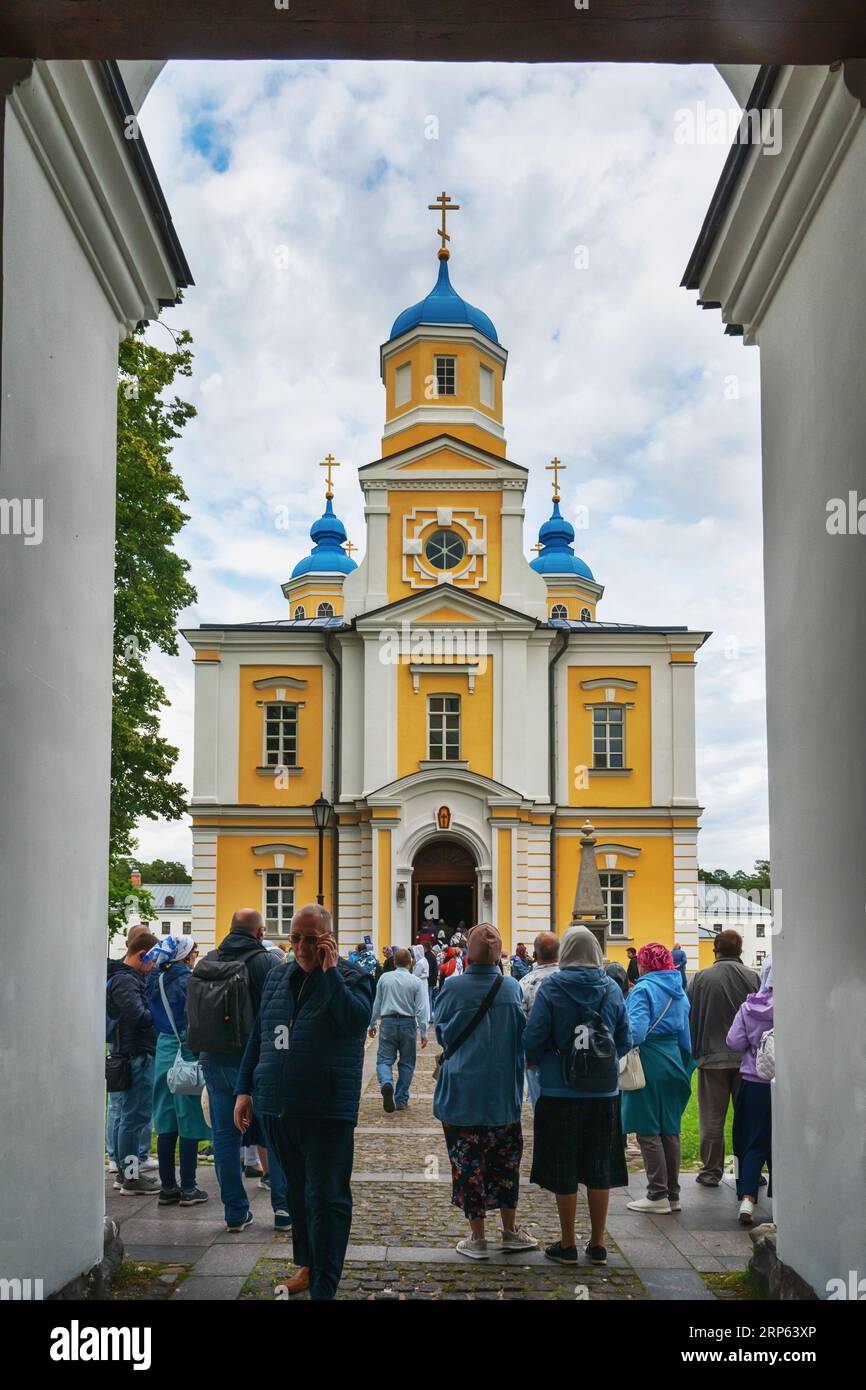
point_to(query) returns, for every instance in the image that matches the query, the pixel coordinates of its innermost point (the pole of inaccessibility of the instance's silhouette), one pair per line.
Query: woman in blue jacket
(178, 1120)
(658, 1011)
(479, 1092)
(578, 1012)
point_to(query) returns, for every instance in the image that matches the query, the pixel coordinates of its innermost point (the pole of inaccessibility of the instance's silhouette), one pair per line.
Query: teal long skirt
(658, 1107)
(180, 1114)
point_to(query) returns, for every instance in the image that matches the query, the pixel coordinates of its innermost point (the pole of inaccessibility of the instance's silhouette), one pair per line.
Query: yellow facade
(476, 710)
(590, 786)
(257, 785)
(239, 869)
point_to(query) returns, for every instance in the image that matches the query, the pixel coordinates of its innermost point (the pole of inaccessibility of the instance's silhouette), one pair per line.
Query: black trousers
(317, 1158)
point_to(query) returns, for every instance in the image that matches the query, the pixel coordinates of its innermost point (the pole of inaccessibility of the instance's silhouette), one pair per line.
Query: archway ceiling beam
(679, 31)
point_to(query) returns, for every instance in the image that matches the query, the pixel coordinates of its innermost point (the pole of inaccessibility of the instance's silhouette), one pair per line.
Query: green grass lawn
(689, 1133)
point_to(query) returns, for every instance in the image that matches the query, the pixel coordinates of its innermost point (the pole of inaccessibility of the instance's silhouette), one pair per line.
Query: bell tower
(443, 367)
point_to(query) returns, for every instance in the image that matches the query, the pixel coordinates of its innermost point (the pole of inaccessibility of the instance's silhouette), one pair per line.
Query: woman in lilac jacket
(752, 1130)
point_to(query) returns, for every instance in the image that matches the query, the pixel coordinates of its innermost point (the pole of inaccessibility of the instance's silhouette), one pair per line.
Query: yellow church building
(424, 733)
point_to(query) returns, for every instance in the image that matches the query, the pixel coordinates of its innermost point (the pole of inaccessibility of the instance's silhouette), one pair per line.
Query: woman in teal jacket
(658, 1012)
(178, 1119)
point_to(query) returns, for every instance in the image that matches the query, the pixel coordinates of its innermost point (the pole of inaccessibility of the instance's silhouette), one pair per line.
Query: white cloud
(300, 194)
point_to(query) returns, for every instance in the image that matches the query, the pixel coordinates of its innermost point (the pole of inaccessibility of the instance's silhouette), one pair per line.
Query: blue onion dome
(327, 555)
(443, 305)
(556, 555)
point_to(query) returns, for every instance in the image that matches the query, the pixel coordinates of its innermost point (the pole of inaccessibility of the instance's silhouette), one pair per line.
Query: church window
(446, 376)
(559, 612)
(485, 392)
(300, 612)
(281, 735)
(613, 892)
(325, 610)
(166, 928)
(585, 615)
(169, 902)
(608, 736)
(279, 893)
(444, 550)
(443, 727)
(403, 384)
(759, 930)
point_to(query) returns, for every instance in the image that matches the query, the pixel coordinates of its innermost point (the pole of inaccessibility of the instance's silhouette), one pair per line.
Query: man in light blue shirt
(402, 1004)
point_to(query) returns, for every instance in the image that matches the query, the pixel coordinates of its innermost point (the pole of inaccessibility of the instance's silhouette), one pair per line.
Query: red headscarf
(655, 957)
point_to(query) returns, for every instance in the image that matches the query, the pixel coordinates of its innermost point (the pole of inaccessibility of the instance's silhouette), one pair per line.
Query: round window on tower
(444, 550)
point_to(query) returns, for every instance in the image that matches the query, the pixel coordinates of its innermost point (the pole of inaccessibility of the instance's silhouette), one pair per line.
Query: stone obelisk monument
(589, 906)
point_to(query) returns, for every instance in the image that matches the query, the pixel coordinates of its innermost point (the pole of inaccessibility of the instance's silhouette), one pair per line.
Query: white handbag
(631, 1073)
(183, 1078)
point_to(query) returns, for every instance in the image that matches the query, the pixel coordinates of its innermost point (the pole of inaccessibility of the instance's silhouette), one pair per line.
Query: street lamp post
(321, 809)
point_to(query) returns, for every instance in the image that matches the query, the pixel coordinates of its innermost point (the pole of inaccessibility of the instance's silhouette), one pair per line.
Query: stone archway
(444, 887)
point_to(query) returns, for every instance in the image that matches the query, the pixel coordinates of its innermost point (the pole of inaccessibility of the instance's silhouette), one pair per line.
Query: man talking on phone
(301, 1075)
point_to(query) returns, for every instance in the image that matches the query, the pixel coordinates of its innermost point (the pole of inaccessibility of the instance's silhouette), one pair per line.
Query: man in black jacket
(113, 1110)
(244, 942)
(715, 995)
(135, 1037)
(302, 1071)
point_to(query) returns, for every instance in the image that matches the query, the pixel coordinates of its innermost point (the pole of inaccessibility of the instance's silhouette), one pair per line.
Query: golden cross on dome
(444, 205)
(555, 467)
(538, 547)
(349, 547)
(329, 462)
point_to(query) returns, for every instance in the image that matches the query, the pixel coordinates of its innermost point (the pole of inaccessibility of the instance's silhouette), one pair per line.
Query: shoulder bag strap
(474, 1021)
(660, 1017)
(167, 1008)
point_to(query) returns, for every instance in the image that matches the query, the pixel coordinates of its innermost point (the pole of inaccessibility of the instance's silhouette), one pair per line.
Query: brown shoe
(299, 1282)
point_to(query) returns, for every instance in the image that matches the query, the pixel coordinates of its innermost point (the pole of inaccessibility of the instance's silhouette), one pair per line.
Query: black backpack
(219, 1005)
(590, 1064)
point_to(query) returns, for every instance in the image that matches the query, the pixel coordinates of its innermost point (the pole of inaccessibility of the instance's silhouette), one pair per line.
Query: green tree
(161, 871)
(740, 881)
(150, 590)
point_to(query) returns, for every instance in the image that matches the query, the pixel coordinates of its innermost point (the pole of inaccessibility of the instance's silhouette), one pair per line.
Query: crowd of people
(260, 1052)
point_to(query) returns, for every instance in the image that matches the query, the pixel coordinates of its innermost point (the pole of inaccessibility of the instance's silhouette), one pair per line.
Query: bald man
(244, 948)
(546, 947)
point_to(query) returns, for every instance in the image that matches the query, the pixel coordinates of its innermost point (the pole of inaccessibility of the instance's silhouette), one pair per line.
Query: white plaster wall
(814, 436)
(58, 443)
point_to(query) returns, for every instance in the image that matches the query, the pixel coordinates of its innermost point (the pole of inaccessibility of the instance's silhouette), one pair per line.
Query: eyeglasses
(295, 937)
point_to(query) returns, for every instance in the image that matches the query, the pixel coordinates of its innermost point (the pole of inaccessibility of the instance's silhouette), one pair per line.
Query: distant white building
(172, 914)
(720, 909)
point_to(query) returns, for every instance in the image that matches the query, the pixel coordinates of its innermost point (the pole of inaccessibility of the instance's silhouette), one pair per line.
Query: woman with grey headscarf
(178, 1119)
(577, 1031)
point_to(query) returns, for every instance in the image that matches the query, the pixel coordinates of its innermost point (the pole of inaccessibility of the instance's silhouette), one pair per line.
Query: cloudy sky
(300, 192)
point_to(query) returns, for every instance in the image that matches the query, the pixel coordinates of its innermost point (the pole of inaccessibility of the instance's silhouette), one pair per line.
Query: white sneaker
(518, 1239)
(747, 1208)
(661, 1205)
(675, 1204)
(112, 1166)
(149, 1165)
(475, 1249)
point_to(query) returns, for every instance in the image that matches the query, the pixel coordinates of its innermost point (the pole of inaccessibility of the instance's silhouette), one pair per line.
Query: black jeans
(317, 1157)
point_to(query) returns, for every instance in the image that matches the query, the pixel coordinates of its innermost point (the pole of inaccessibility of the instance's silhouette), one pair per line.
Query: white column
(684, 790)
(204, 881)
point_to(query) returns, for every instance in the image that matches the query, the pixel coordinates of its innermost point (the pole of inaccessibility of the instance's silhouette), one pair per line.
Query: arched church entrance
(444, 888)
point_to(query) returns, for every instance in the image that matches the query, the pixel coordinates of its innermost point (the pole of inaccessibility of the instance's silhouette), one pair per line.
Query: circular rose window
(444, 550)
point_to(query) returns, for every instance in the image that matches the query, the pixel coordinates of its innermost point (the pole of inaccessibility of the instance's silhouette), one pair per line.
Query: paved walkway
(404, 1229)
